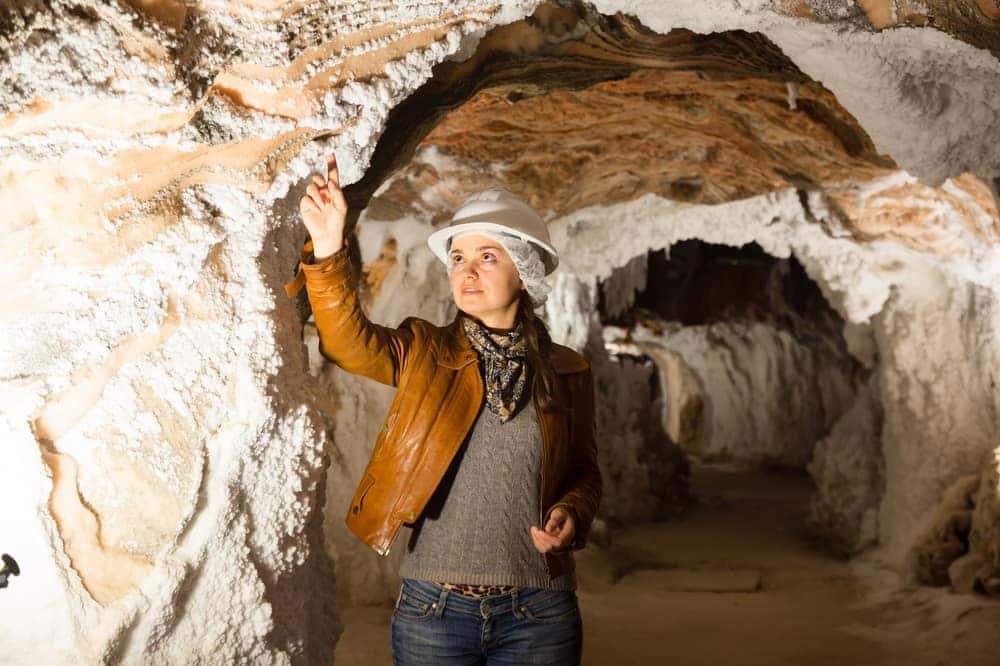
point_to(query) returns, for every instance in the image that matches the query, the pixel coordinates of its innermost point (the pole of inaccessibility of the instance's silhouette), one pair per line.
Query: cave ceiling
(574, 109)
(569, 106)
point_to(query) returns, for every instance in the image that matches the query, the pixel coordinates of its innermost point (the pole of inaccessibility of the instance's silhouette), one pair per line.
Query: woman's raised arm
(346, 336)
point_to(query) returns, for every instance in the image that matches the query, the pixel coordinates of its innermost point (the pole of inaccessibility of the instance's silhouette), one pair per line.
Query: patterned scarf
(502, 358)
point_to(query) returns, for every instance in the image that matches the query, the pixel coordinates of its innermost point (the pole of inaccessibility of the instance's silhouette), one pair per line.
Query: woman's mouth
(470, 290)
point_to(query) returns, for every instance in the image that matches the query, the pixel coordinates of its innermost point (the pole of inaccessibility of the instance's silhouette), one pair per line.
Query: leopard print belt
(477, 591)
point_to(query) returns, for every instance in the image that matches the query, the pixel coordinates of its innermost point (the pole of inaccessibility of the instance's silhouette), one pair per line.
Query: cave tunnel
(775, 340)
(778, 237)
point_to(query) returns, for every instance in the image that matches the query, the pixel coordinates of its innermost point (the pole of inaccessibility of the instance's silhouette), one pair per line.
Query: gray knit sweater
(475, 527)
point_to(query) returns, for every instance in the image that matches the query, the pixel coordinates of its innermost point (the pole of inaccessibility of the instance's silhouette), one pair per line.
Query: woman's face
(484, 280)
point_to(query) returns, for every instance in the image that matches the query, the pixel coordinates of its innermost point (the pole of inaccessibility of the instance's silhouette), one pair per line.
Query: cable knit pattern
(475, 528)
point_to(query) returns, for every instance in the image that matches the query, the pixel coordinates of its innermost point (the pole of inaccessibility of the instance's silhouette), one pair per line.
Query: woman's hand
(558, 532)
(324, 210)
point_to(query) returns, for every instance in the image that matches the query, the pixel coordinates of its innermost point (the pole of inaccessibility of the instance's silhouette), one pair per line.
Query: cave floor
(738, 581)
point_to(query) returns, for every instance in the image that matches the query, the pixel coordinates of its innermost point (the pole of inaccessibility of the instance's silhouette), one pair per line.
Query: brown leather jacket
(439, 393)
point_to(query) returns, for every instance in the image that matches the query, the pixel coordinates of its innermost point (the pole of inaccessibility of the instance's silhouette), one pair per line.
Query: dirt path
(736, 582)
(733, 582)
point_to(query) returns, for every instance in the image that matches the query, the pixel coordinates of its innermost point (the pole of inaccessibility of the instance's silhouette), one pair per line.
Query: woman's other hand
(324, 210)
(558, 532)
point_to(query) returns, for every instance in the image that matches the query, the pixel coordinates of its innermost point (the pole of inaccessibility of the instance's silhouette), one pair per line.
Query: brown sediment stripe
(253, 85)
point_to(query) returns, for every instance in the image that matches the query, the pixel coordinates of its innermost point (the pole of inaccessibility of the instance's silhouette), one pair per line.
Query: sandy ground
(737, 581)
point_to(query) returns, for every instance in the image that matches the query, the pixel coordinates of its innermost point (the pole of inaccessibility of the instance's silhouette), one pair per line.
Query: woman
(488, 449)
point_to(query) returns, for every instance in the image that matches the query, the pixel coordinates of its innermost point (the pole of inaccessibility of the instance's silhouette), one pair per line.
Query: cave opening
(747, 371)
(692, 309)
(696, 282)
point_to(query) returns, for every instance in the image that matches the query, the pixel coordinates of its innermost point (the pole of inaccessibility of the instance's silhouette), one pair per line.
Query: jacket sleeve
(346, 336)
(583, 487)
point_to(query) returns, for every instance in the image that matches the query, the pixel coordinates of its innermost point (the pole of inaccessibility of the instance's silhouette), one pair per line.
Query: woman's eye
(489, 254)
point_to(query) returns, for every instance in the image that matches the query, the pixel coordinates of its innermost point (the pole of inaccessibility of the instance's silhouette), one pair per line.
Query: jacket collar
(455, 351)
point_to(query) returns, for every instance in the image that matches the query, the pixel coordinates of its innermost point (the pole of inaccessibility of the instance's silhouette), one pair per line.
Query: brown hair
(539, 343)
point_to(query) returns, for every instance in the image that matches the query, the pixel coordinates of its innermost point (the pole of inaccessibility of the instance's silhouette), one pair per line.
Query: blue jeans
(434, 626)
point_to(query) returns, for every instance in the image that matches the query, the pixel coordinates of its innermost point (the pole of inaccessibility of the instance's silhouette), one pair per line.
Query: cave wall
(151, 158)
(848, 467)
(939, 371)
(765, 397)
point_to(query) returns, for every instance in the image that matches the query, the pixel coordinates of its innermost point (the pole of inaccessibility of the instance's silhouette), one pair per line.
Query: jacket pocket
(361, 492)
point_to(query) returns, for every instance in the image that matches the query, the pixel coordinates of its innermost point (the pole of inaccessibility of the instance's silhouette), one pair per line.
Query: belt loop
(516, 604)
(442, 600)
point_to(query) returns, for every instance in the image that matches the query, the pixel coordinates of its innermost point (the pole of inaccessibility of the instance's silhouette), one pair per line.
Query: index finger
(331, 164)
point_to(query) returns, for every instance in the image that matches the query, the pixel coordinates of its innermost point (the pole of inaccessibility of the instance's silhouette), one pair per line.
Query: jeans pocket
(558, 607)
(410, 607)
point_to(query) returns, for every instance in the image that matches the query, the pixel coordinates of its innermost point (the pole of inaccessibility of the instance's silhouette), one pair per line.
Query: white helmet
(499, 210)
